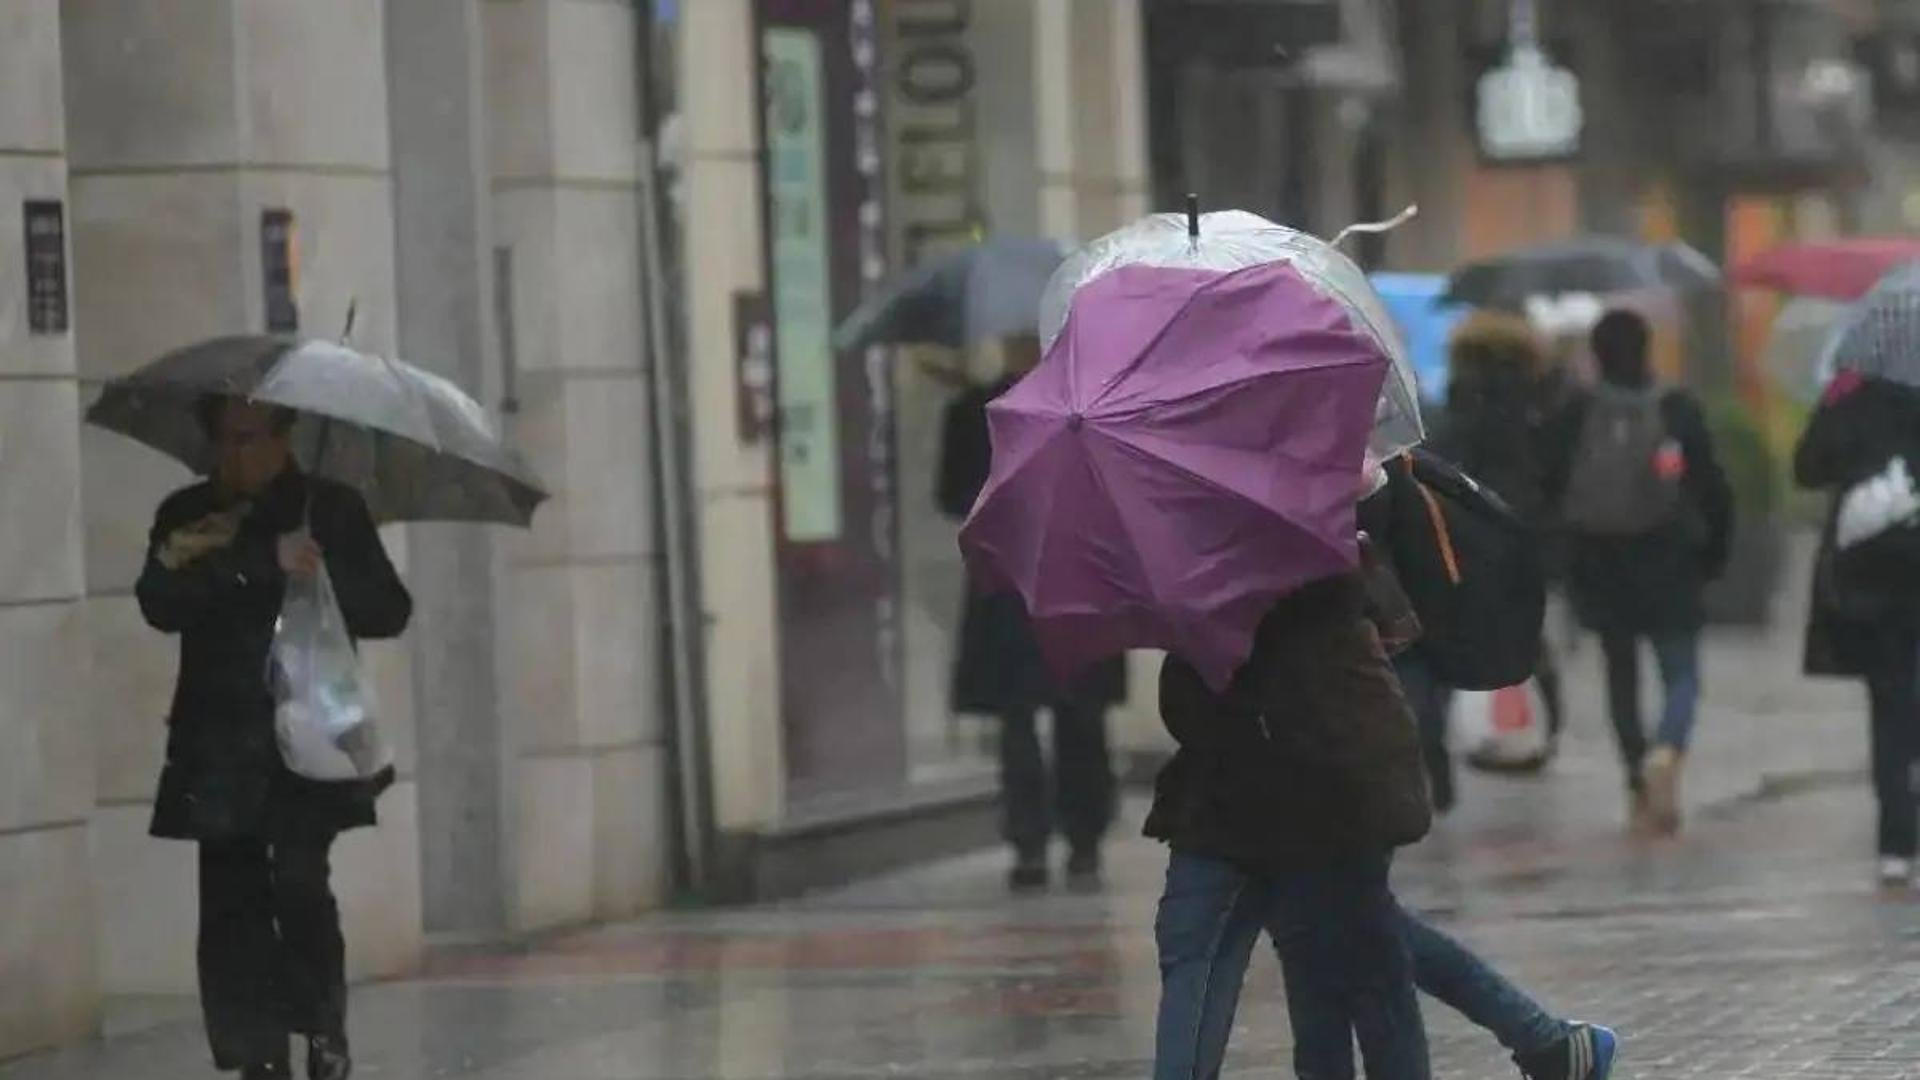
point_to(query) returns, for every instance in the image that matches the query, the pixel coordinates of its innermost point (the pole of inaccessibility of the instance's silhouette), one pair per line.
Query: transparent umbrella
(1880, 335)
(1235, 240)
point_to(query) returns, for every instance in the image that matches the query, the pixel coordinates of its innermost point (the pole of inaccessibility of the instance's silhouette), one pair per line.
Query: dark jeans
(1077, 799)
(1678, 654)
(1432, 700)
(272, 960)
(1893, 696)
(1445, 969)
(1337, 930)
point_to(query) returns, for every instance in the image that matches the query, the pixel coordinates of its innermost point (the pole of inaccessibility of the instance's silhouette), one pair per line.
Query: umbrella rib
(1147, 408)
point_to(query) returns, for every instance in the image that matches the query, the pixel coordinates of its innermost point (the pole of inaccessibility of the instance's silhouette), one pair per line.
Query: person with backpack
(1648, 515)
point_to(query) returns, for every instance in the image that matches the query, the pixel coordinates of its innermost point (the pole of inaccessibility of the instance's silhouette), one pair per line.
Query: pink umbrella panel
(1189, 451)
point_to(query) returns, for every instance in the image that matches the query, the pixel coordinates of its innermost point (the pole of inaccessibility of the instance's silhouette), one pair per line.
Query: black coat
(1653, 582)
(1857, 610)
(1312, 752)
(998, 667)
(223, 775)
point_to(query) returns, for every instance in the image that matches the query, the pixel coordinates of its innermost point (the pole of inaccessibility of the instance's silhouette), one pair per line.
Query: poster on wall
(44, 222)
(802, 297)
(278, 267)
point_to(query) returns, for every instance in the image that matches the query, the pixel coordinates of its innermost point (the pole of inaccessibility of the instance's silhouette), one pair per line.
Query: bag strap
(1438, 518)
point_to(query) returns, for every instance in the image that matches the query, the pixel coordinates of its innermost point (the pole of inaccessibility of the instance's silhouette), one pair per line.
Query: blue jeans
(1337, 930)
(1446, 969)
(1678, 654)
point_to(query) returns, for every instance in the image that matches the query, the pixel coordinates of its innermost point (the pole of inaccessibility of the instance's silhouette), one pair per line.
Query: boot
(1663, 789)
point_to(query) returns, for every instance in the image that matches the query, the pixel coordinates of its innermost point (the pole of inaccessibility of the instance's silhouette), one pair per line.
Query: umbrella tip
(1193, 217)
(353, 308)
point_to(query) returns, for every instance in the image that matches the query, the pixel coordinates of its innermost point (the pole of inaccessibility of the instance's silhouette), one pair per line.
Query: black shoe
(1083, 868)
(272, 1070)
(327, 1058)
(1029, 873)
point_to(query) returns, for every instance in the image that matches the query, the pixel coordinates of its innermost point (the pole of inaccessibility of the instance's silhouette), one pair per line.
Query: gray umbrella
(411, 442)
(1880, 335)
(991, 290)
(1595, 264)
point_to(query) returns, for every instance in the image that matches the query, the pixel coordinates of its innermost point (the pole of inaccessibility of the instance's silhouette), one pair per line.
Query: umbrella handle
(353, 308)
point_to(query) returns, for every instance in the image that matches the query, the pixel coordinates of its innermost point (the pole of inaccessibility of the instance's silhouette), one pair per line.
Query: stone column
(581, 618)
(444, 288)
(48, 989)
(186, 121)
(724, 256)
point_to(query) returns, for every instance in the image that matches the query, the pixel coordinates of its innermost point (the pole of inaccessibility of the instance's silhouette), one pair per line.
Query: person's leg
(1209, 918)
(1621, 653)
(1445, 969)
(1547, 673)
(1083, 780)
(238, 954)
(1678, 654)
(1894, 704)
(1349, 974)
(1429, 701)
(313, 973)
(1026, 820)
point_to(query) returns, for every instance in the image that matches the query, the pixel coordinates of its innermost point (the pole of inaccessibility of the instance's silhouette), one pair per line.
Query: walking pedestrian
(999, 672)
(271, 952)
(1865, 617)
(1281, 808)
(1649, 517)
(1492, 428)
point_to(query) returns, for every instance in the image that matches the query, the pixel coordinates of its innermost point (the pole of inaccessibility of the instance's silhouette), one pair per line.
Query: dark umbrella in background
(1597, 265)
(988, 291)
(1831, 269)
(412, 443)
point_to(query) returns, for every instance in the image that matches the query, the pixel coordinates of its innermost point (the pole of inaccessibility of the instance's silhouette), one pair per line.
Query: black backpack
(1473, 571)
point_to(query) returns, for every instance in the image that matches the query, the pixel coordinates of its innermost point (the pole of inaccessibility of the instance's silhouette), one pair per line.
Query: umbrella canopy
(1834, 270)
(1880, 335)
(991, 290)
(411, 442)
(1189, 451)
(1799, 351)
(1231, 240)
(1595, 264)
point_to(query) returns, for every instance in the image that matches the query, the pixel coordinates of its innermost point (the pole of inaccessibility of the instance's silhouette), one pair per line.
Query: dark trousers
(1678, 654)
(1077, 799)
(1893, 697)
(1339, 934)
(1431, 700)
(272, 959)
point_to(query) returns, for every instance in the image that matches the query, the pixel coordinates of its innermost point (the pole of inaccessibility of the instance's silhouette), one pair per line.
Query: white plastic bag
(1502, 730)
(323, 708)
(1877, 504)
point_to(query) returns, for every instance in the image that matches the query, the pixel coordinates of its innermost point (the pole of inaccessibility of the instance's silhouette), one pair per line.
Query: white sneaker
(1895, 870)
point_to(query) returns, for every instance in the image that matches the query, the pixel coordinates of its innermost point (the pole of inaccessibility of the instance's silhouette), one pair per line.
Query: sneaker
(1896, 871)
(1586, 1053)
(327, 1058)
(1663, 789)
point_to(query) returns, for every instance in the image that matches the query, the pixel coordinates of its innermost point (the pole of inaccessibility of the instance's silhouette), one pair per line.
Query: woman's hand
(300, 558)
(192, 542)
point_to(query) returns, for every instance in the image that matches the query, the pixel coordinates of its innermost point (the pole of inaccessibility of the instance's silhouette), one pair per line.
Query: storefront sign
(753, 366)
(278, 268)
(931, 99)
(802, 283)
(46, 245)
(1529, 108)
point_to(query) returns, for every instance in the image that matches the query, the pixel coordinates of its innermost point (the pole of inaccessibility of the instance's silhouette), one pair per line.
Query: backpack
(1473, 572)
(1620, 483)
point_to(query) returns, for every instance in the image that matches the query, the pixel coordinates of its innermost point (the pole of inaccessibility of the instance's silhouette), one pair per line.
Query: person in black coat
(1648, 583)
(998, 671)
(1865, 618)
(271, 955)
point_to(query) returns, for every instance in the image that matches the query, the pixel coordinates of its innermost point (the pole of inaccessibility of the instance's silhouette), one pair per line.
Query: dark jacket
(1653, 582)
(223, 775)
(1310, 754)
(997, 665)
(1857, 606)
(1494, 429)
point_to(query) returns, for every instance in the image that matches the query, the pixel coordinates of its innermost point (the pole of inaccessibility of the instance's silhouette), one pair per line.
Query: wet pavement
(1754, 946)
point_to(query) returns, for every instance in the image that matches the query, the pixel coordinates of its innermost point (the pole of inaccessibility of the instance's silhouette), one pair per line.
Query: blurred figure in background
(1865, 618)
(1492, 428)
(998, 672)
(1649, 517)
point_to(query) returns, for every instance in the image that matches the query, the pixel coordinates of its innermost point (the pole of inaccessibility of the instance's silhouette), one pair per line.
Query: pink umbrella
(1189, 451)
(1834, 270)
